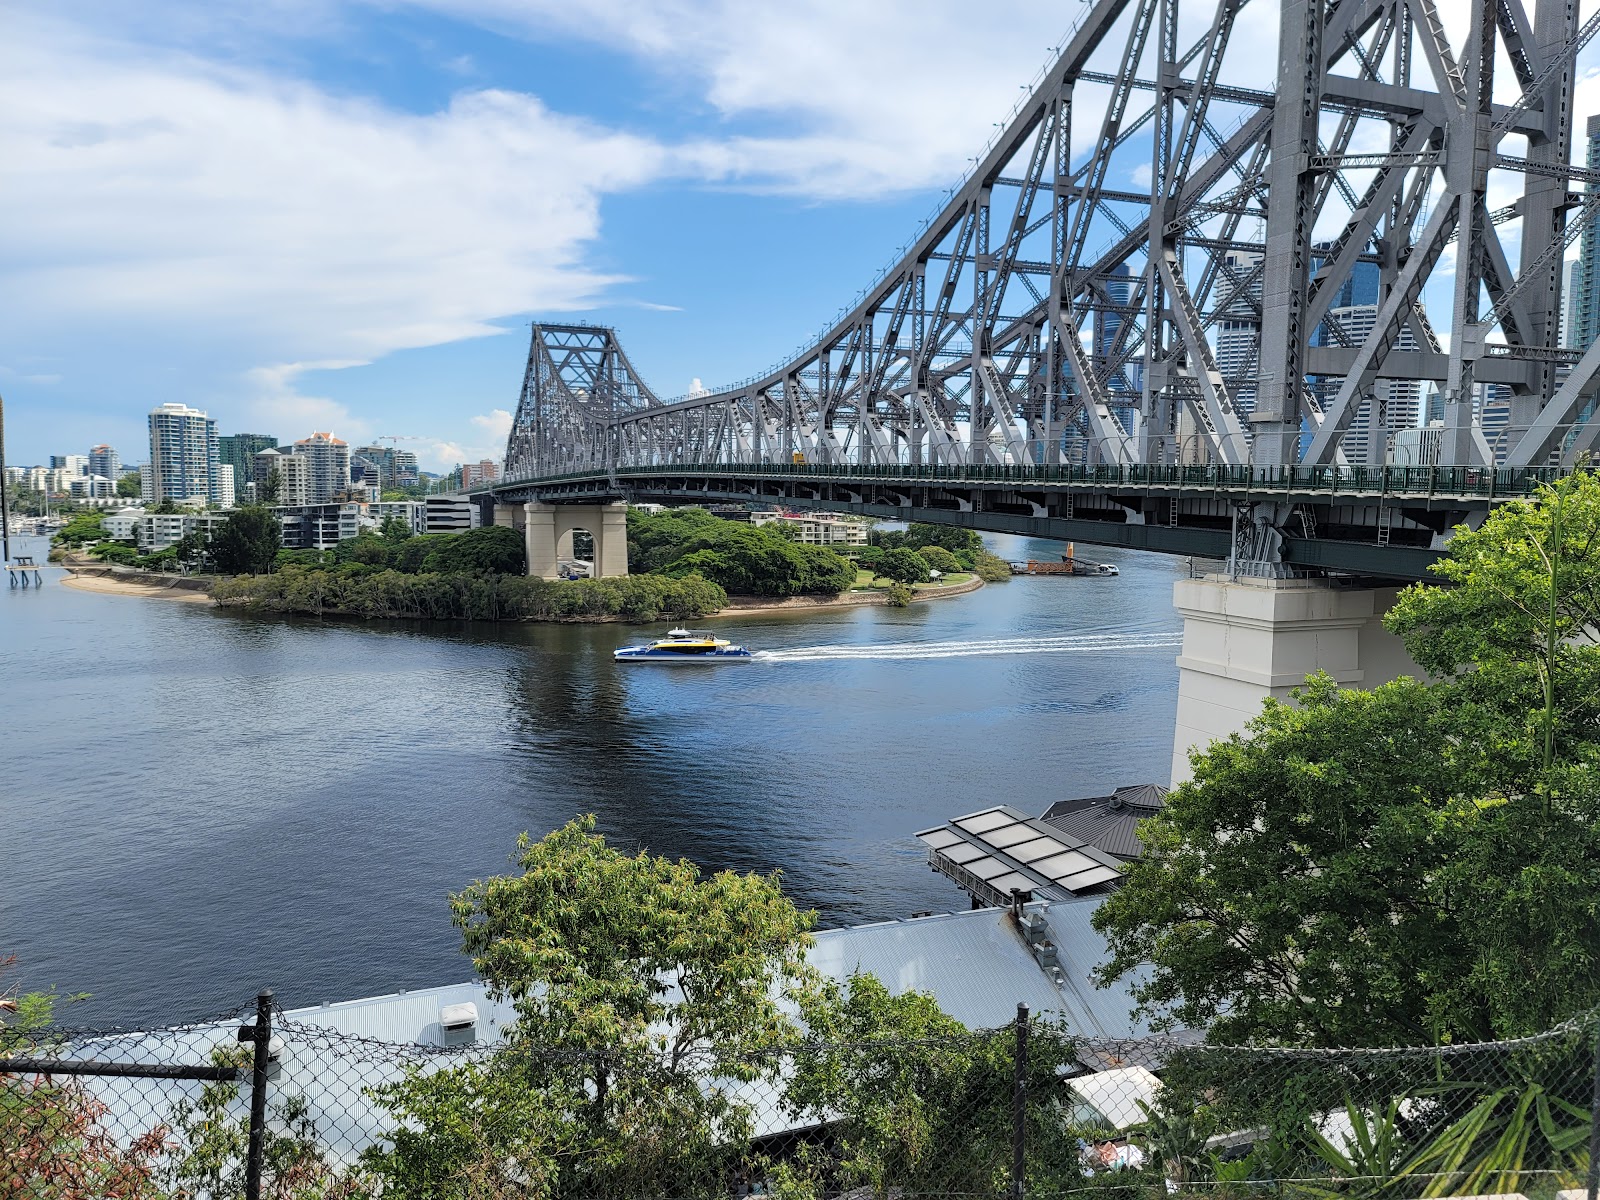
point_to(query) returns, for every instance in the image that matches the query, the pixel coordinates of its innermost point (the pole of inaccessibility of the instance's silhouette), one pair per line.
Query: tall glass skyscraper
(183, 456)
(1585, 320)
(239, 450)
(1107, 324)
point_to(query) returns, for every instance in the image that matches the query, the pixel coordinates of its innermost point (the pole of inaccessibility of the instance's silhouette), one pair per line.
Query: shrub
(991, 568)
(939, 559)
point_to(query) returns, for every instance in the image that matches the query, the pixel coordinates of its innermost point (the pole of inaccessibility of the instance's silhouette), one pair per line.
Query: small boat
(682, 646)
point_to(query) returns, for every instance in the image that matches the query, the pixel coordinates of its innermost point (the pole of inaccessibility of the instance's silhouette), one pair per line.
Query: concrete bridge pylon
(1248, 639)
(547, 531)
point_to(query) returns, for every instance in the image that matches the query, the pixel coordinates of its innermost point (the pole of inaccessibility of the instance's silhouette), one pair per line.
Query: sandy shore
(111, 586)
(744, 606)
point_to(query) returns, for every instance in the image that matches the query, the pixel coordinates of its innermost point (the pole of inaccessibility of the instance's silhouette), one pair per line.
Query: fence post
(1019, 1106)
(1594, 1124)
(262, 1036)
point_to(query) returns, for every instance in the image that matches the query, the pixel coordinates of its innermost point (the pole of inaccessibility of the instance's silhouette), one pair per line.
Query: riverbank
(108, 581)
(739, 606)
(123, 581)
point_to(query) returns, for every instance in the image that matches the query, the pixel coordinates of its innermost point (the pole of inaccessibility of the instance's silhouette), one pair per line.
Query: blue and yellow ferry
(682, 646)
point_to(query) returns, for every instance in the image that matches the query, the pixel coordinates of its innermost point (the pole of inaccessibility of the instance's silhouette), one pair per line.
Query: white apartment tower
(183, 456)
(327, 461)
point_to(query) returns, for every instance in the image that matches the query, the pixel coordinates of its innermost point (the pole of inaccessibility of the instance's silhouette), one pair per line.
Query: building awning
(997, 851)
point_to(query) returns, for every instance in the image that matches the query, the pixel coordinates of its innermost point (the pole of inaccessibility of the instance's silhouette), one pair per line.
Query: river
(196, 804)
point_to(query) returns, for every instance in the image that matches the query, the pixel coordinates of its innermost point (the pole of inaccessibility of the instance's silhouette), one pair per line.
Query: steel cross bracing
(1052, 314)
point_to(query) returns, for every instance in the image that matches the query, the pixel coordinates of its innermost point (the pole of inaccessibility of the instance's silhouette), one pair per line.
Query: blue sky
(342, 214)
(325, 214)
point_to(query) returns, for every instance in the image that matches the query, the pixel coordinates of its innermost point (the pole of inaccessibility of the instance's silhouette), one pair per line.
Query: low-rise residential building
(122, 526)
(92, 487)
(318, 526)
(156, 531)
(478, 473)
(413, 512)
(817, 530)
(451, 514)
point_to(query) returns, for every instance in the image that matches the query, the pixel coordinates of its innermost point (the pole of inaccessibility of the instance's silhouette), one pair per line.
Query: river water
(195, 804)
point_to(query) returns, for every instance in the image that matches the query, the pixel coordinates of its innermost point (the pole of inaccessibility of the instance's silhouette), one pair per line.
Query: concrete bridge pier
(1246, 639)
(548, 529)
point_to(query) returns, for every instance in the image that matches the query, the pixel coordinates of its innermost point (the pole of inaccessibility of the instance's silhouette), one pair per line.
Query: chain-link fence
(263, 1104)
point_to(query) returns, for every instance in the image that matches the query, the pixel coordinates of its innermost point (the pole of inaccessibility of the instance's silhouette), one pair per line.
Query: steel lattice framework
(1046, 315)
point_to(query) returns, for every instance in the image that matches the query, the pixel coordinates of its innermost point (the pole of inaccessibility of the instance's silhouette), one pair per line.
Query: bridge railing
(1488, 482)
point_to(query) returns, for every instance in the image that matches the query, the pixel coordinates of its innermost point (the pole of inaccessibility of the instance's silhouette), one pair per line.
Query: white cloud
(824, 98)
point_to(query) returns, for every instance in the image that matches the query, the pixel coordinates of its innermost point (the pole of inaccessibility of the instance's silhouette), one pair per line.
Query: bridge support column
(1247, 639)
(549, 528)
(539, 538)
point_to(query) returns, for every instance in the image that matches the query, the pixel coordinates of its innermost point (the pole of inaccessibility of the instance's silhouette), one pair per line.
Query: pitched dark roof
(1108, 822)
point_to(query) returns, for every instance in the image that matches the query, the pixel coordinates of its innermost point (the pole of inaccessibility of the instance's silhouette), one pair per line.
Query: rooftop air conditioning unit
(458, 1024)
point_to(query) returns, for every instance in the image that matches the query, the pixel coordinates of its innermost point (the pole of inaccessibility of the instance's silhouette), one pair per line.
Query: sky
(342, 215)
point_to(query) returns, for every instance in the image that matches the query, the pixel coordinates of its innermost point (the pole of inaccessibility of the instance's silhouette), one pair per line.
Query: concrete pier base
(548, 530)
(1247, 639)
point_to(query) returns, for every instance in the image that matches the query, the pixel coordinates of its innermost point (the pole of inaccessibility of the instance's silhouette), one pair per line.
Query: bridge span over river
(1301, 342)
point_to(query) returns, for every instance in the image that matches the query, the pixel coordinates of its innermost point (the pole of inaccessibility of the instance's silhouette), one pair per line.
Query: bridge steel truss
(1048, 313)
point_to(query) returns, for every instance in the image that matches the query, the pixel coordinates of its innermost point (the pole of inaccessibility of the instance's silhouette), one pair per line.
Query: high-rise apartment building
(327, 466)
(239, 450)
(1120, 384)
(406, 471)
(393, 468)
(1239, 327)
(1571, 284)
(72, 464)
(1585, 323)
(105, 462)
(183, 456)
(1395, 404)
(478, 473)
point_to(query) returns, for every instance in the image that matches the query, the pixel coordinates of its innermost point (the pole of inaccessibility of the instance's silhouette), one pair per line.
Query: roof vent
(458, 1024)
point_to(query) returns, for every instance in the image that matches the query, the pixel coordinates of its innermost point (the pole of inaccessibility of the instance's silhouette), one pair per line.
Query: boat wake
(1072, 643)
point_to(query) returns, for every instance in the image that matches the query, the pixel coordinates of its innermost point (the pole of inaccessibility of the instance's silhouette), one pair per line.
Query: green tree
(248, 542)
(991, 568)
(939, 559)
(395, 529)
(904, 565)
(115, 552)
(920, 1105)
(82, 528)
(635, 980)
(367, 549)
(870, 558)
(1409, 863)
(899, 595)
(192, 548)
(493, 549)
(272, 488)
(129, 486)
(948, 537)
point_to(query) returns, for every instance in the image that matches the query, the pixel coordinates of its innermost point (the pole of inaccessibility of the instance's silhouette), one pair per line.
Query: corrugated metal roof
(1109, 822)
(976, 965)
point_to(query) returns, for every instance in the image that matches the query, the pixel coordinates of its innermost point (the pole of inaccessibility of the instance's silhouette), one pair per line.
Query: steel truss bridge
(1254, 315)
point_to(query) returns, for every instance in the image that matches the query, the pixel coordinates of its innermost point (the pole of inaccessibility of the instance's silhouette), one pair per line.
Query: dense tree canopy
(248, 542)
(1402, 864)
(903, 565)
(743, 559)
(83, 527)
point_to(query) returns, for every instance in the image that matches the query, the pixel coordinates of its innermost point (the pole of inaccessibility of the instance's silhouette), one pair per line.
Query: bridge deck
(1470, 485)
